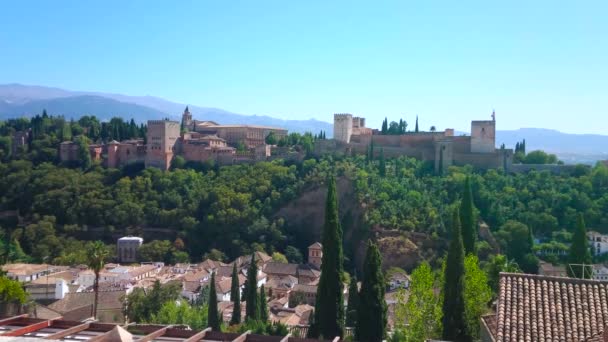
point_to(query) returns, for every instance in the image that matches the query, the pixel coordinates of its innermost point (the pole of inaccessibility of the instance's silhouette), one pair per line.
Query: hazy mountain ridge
(18, 100)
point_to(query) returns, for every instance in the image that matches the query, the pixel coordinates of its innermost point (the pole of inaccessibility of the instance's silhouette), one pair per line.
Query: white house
(598, 242)
(27, 272)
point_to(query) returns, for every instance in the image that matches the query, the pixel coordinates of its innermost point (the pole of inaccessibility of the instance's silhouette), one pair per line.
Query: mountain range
(17, 100)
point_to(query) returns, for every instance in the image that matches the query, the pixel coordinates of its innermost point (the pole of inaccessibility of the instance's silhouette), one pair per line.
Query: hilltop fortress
(443, 148)
(201, 141)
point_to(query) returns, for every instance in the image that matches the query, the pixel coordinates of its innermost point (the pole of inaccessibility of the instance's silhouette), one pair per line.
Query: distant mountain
(571, 148)
(23, 100)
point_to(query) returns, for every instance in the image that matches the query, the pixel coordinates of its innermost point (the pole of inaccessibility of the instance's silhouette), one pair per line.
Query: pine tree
(251, 296)
(212, 314)
(263, 305)
(454, 326)
(329, 308)
(382, 165)
(235, 296)
(372, 319)
(416, 129)
(467, 218)
(353, 303)
(579, 251)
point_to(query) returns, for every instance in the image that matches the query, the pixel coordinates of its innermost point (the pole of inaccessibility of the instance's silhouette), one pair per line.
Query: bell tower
(315, 254)
(187, 120)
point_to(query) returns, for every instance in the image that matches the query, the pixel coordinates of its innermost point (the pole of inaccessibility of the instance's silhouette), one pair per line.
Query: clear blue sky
(538, 63)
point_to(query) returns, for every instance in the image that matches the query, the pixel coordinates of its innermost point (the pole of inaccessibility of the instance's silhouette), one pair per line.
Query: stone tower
(483, 136)
(343, 127)
(161, 139)
(187, 120)
(315, 254)
(113, 154)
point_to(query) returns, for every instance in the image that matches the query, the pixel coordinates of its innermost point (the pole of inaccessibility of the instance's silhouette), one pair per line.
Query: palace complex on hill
(201, 141)
(193, 140)
(443, 148)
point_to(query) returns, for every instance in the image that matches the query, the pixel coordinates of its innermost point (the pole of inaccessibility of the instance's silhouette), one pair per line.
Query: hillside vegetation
(276, 206)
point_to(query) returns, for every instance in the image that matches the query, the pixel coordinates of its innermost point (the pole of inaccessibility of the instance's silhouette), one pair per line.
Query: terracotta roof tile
(543, 308)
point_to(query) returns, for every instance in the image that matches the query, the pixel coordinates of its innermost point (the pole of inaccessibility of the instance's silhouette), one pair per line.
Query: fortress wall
(413, 140)
(480, 160)
(461, 144)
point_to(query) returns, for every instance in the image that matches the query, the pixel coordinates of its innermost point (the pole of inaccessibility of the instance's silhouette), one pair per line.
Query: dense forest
(229, 211)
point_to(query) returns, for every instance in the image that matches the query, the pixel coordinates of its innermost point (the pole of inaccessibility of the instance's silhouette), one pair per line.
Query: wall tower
(161, 139)
(343, 127)
(483, 136)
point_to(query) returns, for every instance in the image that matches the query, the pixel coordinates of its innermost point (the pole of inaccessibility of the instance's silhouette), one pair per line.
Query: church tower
(315, 254)
(187, 120)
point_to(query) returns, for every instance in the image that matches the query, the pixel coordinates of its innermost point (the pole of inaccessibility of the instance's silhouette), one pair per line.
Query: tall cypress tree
(416, 129)
(251, 296)
(579, 251)
(454, 327)
(353, 303)
(235, 296)
(263, 305)
(467, 218)
(212, 314)
(329, 308)
(385, 126)
(382, 165)
(371, 322)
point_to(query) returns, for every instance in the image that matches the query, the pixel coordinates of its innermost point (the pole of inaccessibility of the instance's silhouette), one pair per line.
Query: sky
(536, 63)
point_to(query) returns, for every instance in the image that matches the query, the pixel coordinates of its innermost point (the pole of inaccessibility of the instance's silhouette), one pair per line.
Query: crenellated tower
(343, 127)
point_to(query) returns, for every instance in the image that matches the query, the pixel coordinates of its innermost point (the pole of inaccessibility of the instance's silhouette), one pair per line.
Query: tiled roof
(305, 288)
(106, 300)
(278, 268)
(535, 308)
(196, 276)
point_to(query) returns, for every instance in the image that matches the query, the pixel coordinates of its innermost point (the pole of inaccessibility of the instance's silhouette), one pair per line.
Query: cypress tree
(263, 305)
(579, 251)
(371, 322)
(382, 166)
(329, 308)
(385, 126)
(212, 314)
(416, 129)
(371, 150)
(66, 131)
(235, 296)
(251, 296)
(467, 218)
(353, 303)
(454, 327)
